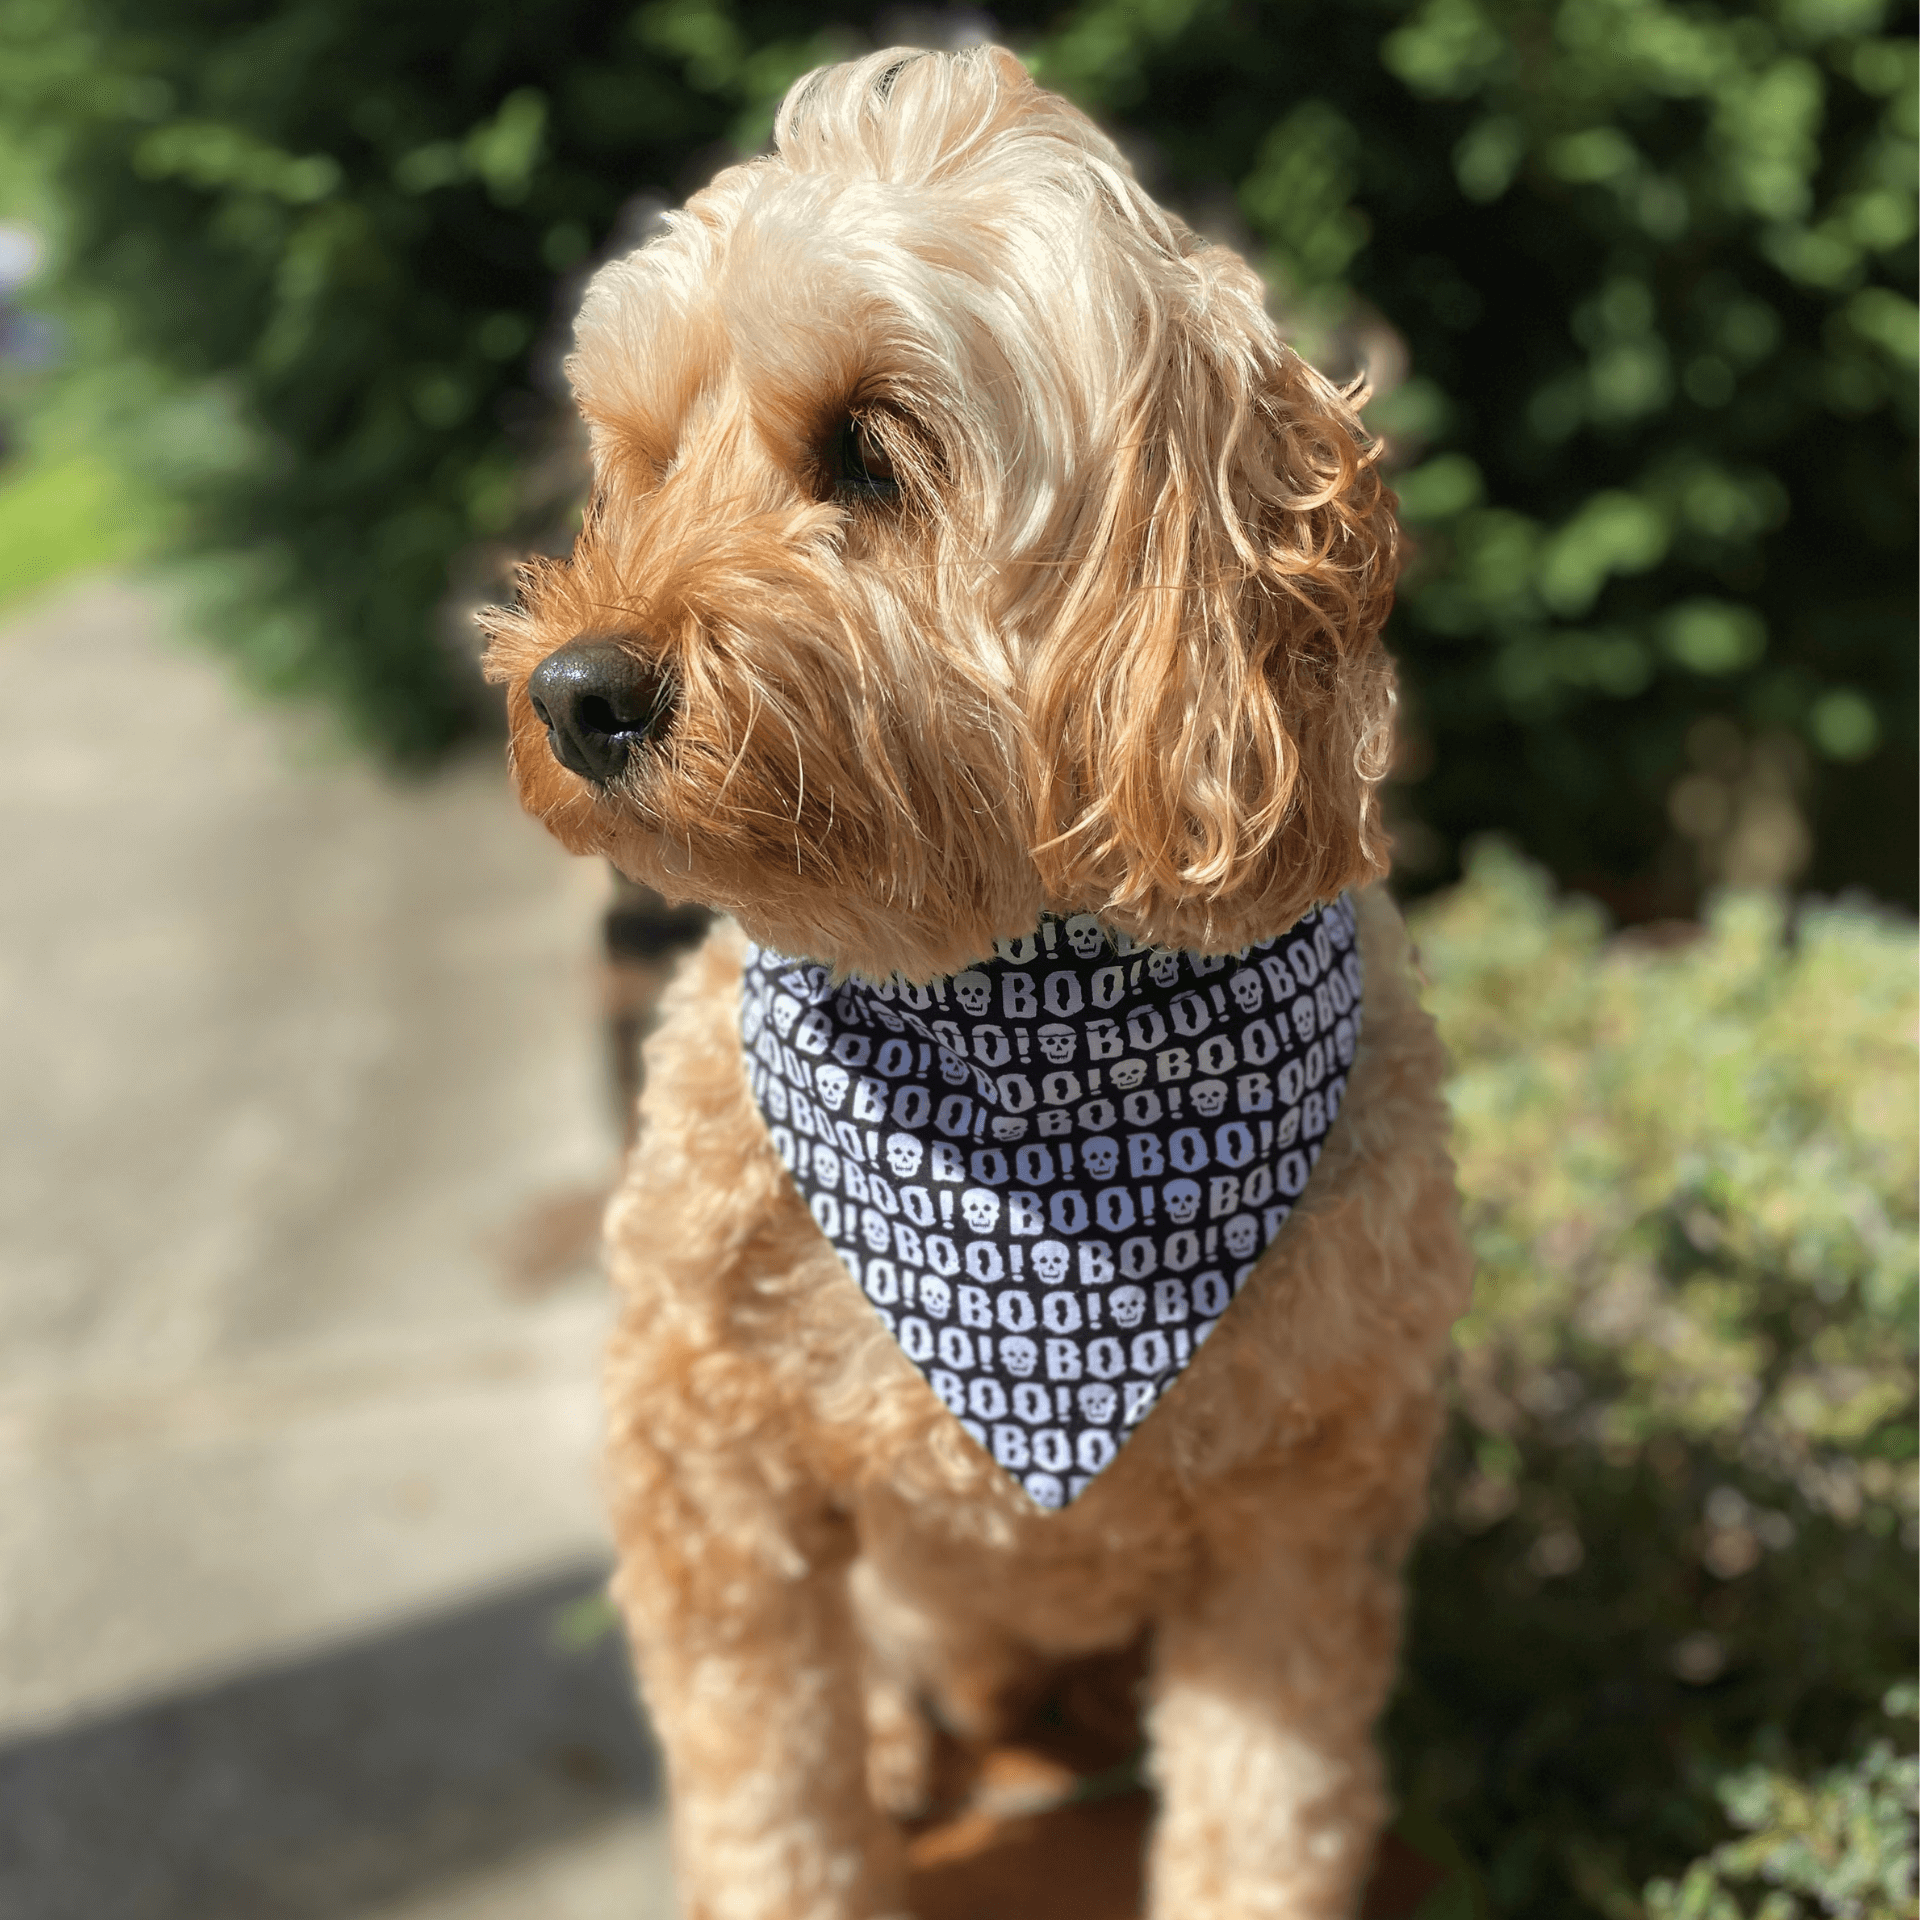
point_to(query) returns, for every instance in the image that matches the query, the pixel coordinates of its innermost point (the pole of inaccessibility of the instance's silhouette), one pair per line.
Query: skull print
(1098, 1404)
(1245, 987)
(904, 1154)
(1050, 1262)
(1084, 936)
(1210, 1097)
(1183, 1201)
(1056, 1042)
(972, 991)
(831, 1083)
(981, 1208)
(1102, 1156)
(1019, 1355)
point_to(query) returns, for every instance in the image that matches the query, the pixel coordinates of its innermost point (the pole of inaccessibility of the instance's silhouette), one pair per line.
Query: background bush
(1651, 266)
(1664, 1615)
(336, 229)
(1634, 277)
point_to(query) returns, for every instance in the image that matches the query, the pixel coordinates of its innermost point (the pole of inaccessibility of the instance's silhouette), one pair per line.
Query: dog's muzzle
(599, 703)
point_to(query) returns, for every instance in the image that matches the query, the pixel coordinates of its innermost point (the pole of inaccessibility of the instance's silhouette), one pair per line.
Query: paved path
(292, 1049)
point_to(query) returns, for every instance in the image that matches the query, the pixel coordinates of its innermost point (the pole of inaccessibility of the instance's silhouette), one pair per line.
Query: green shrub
(337, 228)
(1671, 1571)
(1650, 264)
(1846, 1841)
(62, 516)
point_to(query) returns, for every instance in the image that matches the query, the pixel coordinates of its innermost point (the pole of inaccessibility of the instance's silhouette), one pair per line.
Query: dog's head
(963, 542)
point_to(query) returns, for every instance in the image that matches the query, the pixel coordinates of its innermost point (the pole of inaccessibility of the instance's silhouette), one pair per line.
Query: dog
(977, 600)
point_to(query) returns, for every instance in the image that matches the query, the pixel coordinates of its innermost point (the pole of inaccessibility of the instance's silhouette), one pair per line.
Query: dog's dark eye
(860, 465)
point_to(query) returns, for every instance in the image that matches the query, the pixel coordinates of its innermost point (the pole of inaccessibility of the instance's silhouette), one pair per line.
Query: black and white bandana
(1051, 1173)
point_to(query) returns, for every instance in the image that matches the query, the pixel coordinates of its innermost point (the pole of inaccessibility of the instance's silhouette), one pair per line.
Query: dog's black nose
(598, 702)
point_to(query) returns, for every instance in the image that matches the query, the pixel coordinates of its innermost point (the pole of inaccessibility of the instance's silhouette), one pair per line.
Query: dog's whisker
(746, 740)
(800, 794)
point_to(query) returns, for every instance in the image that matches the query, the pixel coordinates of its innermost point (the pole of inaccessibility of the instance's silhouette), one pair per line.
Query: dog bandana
(1051, 1173)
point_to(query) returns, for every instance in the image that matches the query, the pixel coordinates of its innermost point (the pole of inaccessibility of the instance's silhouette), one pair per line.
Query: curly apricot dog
(981, 605)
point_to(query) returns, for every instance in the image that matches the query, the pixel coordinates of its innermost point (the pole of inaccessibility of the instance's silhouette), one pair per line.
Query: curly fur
(1114, 649)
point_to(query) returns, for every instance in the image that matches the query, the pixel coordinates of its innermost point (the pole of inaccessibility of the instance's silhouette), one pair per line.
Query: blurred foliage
(59, 515)
(1670, 1579)
(1634, 277)
(1652, 268)
(65, 503)
(335, 229)
(1846, 1840)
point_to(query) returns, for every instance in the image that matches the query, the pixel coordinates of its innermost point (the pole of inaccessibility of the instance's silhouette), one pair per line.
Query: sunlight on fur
(1113, 646)
(966, 546)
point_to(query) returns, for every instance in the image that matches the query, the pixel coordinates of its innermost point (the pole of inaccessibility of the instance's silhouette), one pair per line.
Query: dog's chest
(1051, 1173)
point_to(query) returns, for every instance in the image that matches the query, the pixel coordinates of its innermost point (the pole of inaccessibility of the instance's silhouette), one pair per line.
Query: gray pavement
(294, 1054)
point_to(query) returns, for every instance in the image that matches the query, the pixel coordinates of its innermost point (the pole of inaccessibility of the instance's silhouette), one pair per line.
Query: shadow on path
(312, 1790)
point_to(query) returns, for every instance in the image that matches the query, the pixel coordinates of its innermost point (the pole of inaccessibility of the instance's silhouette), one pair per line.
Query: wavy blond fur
(1115, 647)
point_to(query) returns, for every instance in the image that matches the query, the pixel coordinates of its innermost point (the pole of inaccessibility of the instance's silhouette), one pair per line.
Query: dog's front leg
(1266, 1684)
(737, 1603)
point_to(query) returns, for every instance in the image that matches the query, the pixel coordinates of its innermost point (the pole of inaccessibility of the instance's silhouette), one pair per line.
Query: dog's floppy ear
(1209, 705)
